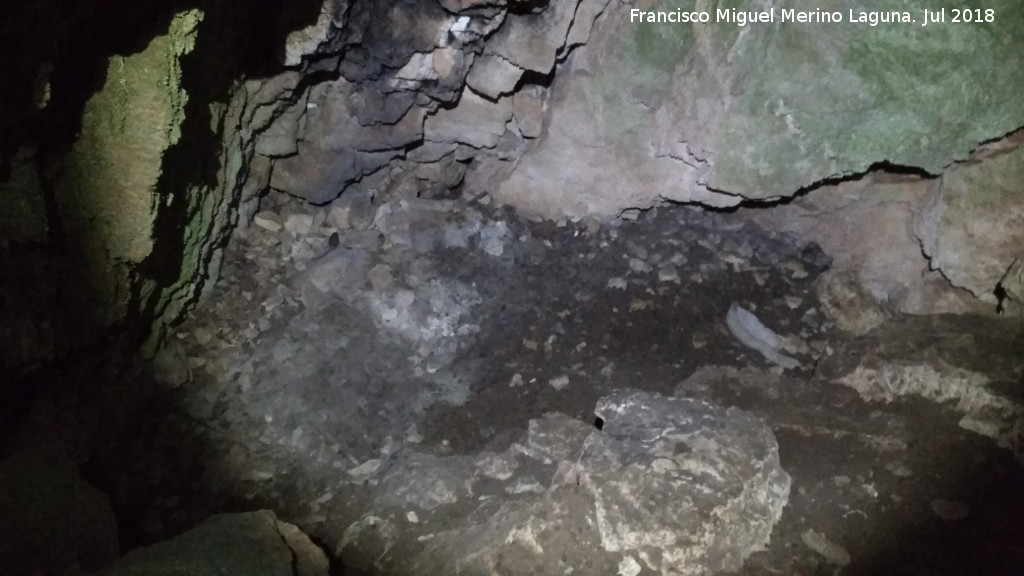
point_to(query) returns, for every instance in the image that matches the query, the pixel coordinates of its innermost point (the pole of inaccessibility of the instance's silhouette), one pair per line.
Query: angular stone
(680, 485)
(532, 41)
(972, 230)
(474, 121)
(298, 224)
(269, 221)
(341, 119)
(320, 175)
(493, 76)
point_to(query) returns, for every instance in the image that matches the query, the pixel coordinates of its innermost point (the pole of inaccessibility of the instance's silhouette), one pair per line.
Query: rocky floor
(338, 337)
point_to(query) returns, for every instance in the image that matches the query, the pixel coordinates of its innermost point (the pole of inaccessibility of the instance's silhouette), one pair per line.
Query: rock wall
(718, 113)
(572, 110)
(130, 152)
(125, 154)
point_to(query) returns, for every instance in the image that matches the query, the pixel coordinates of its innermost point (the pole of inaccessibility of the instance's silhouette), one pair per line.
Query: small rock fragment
(629, 567)
(832, 552)
(405, 298)
(298, 224)
(380, 277)
(338, 217)
(269, 221)
(366, 468)
(668, 273)
(493, 246)
(559, 382)
(617, 283)
(639, 266)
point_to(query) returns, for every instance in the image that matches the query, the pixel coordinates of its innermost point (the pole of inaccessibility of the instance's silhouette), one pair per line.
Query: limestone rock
(845, 301)
(341, 273)
(320, 175)
(474, 121)
(678, 486)
(941, 358)
(679, 108)
(532, 41)
(493, 76)
(255, 544)
(334, 125)
(972, 231)
(868, 226)
(268, 98)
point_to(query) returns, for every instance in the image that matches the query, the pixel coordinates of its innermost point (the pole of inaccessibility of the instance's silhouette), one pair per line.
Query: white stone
(559, 382)
(366, 468)
(617, 283)
(493, 246)
(668, 273)
(298, 224)
(338, 216)
(629, 567)
(268, 221)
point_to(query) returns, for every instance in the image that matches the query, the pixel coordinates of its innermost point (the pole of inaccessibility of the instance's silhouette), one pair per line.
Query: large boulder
(674, 486)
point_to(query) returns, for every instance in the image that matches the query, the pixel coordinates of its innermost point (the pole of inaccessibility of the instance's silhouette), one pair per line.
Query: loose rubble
(352, 378)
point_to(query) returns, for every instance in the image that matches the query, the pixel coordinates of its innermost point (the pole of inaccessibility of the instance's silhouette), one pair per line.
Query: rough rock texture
(971, 361)
(640, 113)
(845, 301)
(107, 191)
(870, 227)
(444, 98)
(678, 486)
(432, 78)
(710, 113)
(46, 506)
(972, 228)
(254, 544)
(967, 223)
(125, 163)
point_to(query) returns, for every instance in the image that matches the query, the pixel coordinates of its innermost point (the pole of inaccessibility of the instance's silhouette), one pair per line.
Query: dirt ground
(290, 400)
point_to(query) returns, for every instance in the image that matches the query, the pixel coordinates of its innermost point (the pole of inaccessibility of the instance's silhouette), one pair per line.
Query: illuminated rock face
(677, 485)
